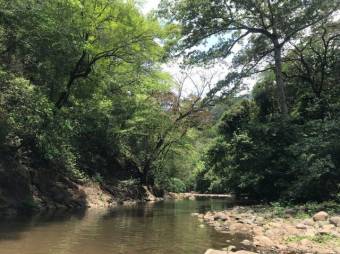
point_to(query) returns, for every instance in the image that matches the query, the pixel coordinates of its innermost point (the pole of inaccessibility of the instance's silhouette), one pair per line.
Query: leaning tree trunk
(279, 79)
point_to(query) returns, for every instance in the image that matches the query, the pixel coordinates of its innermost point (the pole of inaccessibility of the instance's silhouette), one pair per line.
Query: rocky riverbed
(264, 233)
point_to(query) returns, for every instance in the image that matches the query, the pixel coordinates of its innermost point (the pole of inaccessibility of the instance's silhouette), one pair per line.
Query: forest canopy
(83, 90)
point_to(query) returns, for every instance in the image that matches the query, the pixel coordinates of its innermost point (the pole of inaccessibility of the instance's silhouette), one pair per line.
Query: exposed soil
(24, 189)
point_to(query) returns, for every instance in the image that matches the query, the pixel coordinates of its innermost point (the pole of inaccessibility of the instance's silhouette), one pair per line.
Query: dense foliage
(259, 155)
(81, 90)
(281, 141)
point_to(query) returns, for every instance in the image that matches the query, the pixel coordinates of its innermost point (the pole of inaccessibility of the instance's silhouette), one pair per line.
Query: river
(153, 228)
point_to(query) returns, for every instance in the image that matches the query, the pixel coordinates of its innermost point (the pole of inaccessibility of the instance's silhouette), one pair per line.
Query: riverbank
(264, 231)
(25, 189)
(195, 195)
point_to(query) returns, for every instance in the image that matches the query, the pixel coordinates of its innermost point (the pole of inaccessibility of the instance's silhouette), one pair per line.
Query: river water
(159, 228)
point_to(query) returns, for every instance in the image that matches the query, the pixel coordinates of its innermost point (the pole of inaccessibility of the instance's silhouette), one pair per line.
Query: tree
(59, 44)
(259, 155)
(267, 26)
(93, 59)
(161, 124)
(314, 59)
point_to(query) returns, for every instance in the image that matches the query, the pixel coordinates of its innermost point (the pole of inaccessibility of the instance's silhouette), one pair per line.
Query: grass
(319, 238)
(302, 211)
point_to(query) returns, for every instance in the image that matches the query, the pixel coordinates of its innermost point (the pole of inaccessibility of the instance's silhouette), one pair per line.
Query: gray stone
(320, 216)
(229, 248)
(308, 222)
(208, 217)
(327, 229)
(247, 243)
(263, 241)
(321, 224)
(335, 221)
(301, 226)
(260, 221)
(212, 251)
(290, 211)
(221, 216)
(244, 252)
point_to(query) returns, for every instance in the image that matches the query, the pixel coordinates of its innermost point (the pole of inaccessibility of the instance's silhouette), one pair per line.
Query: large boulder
(240, 228)
(320, 216)
(327, 229)
(308, 222)
(335, 221)
(337, 250)
(301, 226)
(221, 216)
(263, 241)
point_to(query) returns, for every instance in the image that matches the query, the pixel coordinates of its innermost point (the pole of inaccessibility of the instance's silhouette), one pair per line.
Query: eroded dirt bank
(25, 189)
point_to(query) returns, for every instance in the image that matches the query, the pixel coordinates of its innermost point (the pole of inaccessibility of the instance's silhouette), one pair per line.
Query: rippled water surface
(164, 228)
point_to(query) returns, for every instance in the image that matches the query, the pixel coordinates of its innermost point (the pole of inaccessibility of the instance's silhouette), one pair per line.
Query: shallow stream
(159, 228)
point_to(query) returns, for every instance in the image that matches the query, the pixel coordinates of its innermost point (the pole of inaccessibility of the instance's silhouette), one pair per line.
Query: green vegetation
(297, 211)
(82, 91)
(320, 238)
(281, 141)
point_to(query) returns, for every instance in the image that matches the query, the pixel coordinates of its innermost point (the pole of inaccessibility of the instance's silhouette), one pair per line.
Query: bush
(176, 185)
(317, 165)
(274, 159)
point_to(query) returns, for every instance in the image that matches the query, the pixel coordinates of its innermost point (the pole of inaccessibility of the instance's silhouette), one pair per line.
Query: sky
(177, 72)
(219, 71)
(149, 5)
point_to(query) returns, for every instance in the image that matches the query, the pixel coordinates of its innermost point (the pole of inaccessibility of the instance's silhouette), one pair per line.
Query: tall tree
(314, 59)
(57, 44)
(266, 26)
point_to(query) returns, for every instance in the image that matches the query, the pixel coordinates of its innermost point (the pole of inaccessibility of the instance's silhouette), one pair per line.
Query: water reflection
(153, 228)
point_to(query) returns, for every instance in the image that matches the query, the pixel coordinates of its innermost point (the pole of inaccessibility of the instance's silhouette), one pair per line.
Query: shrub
(176, 185)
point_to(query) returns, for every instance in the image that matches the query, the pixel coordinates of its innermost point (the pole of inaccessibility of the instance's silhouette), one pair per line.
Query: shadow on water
(12, 227)
(152, 228)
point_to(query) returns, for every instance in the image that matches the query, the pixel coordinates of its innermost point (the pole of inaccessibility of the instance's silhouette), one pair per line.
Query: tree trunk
(279, 79)
(146, 177)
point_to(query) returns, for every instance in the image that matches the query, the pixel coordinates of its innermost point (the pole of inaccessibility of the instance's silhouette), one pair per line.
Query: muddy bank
(26, 189)
(265, 233)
